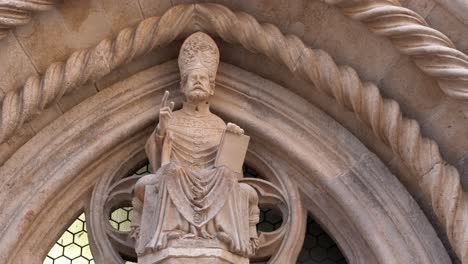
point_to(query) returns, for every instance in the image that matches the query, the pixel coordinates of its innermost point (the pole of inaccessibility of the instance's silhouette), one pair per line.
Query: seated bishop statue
(190, 201)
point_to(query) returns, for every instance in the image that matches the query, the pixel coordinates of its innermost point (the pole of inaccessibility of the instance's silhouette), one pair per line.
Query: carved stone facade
(355, 110)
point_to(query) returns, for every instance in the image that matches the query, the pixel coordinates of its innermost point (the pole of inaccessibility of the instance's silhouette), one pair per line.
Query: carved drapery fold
(402, 135)
(111, 192)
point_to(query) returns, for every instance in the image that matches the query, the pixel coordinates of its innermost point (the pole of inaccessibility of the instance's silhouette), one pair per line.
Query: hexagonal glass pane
(319, 247)
(81, 239)
(73, 246)
(80, 260)
(48, 261)
(121, 219)
(86, 252)
(62, 260)
(76, 227)
(65, 239)
(56, 251)
(72, 251)
(119, 215)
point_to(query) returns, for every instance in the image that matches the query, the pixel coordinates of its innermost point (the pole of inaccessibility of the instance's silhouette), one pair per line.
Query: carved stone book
(232, 151)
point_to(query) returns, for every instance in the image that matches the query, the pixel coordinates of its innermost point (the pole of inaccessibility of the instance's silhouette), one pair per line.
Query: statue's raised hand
(165, 114)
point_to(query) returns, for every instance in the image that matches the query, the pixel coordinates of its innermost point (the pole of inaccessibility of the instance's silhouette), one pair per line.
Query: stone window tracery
(73, 245)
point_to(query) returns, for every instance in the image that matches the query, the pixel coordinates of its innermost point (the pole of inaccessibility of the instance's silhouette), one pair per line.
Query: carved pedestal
(193, 252)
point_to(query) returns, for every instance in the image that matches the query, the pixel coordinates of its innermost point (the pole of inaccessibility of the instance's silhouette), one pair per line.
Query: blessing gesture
(165, 114)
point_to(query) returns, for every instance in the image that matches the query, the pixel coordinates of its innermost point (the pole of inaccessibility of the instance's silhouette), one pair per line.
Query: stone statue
(197, 209)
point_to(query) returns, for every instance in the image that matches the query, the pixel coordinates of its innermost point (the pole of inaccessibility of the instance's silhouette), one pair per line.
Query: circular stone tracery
(73, 246)
(118, 228)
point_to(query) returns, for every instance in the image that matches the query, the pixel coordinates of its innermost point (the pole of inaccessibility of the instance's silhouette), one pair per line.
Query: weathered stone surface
(294, 9)
(47, 116)
(431, 50)
(15, 66)
(151, 59)
(17, 13)
(328, 29)
(314, 14)
(442, 20)
(149, 9)
(122, 13)
(269, 11)
(70, 26)
(416, 94)
(76, 97)
(194, 256)
(462, 166)
(442, 121)
(445, 124)
(8, 148)
(457, 8)
(422, 7)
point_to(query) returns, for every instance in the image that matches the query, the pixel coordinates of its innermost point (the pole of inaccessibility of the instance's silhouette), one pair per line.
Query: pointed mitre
(199, 51)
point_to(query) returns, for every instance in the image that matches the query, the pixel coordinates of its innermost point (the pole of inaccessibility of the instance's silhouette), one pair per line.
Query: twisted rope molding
(15, 13)
(432, 51)
(439, 180)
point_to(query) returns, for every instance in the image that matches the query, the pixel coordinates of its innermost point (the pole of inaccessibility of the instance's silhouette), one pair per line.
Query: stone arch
(357, 199)
(440, 182)
(433, 52)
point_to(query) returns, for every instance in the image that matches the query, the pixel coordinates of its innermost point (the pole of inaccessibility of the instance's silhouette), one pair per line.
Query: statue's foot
(176, 234)
(205, 235)
(189, 236)
(224, 237)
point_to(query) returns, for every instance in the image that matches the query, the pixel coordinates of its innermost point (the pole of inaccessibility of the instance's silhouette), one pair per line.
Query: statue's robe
(191, 192)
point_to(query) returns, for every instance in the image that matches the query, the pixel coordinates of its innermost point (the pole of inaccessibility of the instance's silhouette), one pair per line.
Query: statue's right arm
(153, 150)
(165, 115)
(157, 149)
(158, 146)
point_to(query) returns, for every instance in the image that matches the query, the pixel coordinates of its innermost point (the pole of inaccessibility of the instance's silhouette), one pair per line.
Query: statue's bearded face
(198, 86)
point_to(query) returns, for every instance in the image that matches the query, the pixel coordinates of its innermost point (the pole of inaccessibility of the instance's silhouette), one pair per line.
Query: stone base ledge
(192, 256)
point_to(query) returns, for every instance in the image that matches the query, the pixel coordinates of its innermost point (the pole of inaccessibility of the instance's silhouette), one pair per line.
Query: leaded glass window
(73, 246)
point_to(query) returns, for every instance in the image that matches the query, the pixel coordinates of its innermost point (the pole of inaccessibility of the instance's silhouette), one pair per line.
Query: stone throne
(184, 251)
